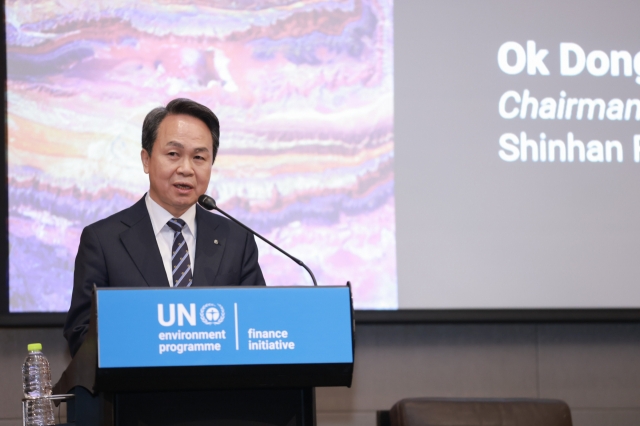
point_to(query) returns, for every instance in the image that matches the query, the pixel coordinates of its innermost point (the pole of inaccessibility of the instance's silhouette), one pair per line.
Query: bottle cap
(31, 347)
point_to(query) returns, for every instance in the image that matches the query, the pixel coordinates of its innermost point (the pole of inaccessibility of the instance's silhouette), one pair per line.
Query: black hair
(179, 106)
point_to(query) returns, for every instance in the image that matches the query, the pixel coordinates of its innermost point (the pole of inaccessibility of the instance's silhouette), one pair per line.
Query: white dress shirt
(164, 234)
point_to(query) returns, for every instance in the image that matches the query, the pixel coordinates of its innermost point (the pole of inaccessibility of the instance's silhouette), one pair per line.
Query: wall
(594, 367)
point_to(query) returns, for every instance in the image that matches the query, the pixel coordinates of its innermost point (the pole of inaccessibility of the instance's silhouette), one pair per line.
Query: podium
(210, 355)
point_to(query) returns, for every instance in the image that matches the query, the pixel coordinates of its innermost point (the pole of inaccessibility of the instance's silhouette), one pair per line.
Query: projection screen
(440, 155)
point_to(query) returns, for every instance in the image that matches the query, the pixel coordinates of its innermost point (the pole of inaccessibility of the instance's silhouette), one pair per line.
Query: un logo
(212, 313)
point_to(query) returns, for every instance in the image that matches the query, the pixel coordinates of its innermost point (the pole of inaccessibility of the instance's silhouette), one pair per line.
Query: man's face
(179, 166)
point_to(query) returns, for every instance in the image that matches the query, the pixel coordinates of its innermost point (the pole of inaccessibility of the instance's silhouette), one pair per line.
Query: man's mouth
(183, 186)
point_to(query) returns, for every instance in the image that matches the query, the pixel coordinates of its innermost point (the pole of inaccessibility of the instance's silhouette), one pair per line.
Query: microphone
(210, 204)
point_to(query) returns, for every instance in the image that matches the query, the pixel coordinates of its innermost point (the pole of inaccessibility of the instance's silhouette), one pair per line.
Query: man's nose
(185, 167)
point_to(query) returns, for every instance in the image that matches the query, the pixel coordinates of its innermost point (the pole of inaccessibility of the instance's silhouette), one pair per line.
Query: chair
(477, 412)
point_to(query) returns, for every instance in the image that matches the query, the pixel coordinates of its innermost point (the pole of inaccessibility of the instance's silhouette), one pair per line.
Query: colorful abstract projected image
(304, 93)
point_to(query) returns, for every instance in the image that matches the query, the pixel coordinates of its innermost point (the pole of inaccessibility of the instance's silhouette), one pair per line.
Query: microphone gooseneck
(210, 204)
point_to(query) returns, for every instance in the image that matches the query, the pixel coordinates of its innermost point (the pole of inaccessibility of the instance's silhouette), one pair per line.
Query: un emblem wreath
(208, 314)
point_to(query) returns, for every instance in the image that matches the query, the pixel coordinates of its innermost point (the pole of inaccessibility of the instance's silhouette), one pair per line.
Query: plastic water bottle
(36, 381)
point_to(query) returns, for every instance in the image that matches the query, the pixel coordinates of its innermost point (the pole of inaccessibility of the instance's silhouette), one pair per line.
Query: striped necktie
(180, 262)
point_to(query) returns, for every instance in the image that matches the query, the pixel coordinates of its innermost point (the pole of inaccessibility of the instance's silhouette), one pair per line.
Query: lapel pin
(215, 241)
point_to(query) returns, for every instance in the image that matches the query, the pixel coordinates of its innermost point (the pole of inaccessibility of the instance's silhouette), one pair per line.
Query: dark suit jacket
(122, 251)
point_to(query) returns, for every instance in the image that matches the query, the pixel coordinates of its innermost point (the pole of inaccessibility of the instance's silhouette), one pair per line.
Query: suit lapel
(141, 244)
(208, 253)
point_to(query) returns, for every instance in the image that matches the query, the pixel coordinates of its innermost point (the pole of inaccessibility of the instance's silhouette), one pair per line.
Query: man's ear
(145, 156)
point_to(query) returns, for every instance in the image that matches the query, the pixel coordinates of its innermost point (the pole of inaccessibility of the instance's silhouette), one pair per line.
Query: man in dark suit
(165, 239)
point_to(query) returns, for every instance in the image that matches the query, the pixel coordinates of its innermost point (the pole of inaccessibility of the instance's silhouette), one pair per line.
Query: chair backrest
(480, 412)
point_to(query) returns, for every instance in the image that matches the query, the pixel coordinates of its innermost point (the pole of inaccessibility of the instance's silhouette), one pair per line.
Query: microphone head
(207, 202)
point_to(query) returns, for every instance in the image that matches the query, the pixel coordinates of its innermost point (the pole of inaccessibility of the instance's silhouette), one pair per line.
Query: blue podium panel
(223, 326)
